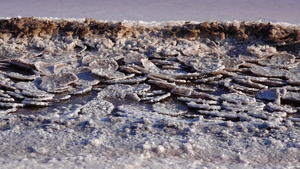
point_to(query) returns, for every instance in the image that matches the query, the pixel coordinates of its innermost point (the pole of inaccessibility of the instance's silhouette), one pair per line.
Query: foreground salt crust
(171, 92)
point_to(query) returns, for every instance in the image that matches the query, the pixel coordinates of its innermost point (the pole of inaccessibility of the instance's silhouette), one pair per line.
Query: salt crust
(161, 90)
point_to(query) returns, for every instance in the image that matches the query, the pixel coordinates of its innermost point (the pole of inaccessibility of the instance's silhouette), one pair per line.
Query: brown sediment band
(268, 32)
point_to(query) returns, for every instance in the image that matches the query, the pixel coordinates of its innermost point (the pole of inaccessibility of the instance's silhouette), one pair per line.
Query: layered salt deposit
(134, 94)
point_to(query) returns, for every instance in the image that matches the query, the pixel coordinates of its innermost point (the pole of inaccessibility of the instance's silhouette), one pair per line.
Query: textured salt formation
(158, 87)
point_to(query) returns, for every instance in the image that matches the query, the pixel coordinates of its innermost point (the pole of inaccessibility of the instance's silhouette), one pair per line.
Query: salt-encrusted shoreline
(96, 93)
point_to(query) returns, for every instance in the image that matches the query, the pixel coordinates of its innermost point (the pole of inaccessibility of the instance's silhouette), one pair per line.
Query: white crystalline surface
(174, 95)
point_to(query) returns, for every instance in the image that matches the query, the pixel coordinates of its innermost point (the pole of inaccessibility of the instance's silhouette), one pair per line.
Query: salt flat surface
(155, 10)
(176, 95)
(100, 116)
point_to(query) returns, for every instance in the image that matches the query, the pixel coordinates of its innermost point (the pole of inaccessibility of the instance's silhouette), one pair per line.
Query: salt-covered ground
(150, 95)
(139, 95)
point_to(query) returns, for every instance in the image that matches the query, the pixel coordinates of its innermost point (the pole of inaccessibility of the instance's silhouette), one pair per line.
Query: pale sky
(157, 10)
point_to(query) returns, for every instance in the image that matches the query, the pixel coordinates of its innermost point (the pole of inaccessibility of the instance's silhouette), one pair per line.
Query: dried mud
(90, 94)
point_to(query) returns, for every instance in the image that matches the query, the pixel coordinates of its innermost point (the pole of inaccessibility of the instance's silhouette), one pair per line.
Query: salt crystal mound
(77, 74)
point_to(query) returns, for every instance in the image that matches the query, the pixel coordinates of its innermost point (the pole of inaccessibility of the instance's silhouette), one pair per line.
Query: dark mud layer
(131, 95)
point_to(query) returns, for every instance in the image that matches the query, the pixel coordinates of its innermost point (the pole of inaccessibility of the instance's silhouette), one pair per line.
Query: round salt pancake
(85, 77)
(82, 90)
(267, 94)
(97, 108)
(237, 98)
(20, 76)
(278, 60)
(268, 71)
(57, 83)
(134, 58)
(105, 65)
